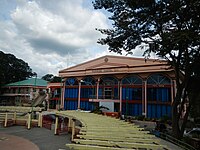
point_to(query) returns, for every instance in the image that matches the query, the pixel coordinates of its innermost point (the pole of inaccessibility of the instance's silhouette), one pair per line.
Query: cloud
(50, 35)
(64, 28)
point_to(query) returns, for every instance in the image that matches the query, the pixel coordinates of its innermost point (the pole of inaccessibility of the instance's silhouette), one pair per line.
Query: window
(108, 88)
(108, 92)
(158, 89)
(158, 79)
(88, 85)
(71, 81)
(132, 88)
(132, 80)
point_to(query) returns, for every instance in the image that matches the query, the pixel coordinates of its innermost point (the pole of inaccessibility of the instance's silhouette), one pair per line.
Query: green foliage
(51, 78)
(162, 25)
(164, 119)
(170, 29)
(194, 91)
(98, 110)
(13, 69)
(141, 117)
(48, 77)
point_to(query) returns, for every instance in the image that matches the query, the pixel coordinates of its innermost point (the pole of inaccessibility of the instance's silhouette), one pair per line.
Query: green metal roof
(29, 82)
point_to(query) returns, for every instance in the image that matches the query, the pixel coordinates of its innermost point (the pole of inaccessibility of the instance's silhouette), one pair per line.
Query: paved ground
(9, 142)
(19, 138)
(33, 139)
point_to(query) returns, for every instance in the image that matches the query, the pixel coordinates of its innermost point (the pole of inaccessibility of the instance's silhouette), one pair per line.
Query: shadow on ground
(43, 138)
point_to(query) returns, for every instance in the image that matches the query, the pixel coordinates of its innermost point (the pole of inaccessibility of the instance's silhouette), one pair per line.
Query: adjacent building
(131, 86)
(54, 95)
(22, 92)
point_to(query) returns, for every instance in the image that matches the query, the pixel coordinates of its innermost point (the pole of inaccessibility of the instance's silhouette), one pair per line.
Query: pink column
(79, 94)
(143, 112)
(175, 90)
(97, 89)
(145, 98)
(120, 99)
(172, 91)
(63, 94)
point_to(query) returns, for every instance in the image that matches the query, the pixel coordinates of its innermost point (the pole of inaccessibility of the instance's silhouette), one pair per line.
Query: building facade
(22, 92)
(54, 95)
(131, 86)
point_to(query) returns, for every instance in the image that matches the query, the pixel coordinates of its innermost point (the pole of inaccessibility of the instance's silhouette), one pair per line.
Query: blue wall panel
(149, 114)
(74, 93)
(70, 105)
(123, 93)
(71, 93)
(123, 109)
(131, 93)
(159, 112)
(140, 109)
(66, 93)
(86, 93)
(159, 94)
(100, 93)
(133, 109)
(86, 105)
(164, 110)
(116, 93)
(130, 109)
(153, 111)
(169, 111)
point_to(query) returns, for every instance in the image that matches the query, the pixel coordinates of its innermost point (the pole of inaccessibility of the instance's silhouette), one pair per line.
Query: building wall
(132, 94)
(19, 95)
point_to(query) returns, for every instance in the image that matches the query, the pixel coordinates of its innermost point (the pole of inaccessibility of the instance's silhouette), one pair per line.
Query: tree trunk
(185, 120)
(178, 123)
(175, 122)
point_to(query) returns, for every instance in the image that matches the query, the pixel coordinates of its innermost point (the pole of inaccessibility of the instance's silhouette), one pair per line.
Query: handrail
(176, 141)
(19, 109)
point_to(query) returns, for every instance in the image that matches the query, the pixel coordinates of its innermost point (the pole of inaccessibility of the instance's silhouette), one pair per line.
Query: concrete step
(2, 117)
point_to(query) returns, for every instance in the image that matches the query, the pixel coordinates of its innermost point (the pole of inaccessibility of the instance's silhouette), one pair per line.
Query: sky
(51, 35)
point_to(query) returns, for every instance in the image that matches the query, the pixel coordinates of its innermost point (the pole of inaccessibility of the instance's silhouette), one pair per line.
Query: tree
(170, 29)
(51, 78)
(13, 69)
(194, 91)
(48, 77)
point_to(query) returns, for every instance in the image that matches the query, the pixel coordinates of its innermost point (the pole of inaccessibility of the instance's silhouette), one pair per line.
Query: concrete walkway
(9, 142)
(19, 138)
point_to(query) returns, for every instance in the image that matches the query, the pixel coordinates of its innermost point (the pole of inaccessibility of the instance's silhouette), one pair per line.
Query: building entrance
(108, 92)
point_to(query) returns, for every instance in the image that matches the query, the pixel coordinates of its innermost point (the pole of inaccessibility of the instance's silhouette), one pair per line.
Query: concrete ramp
(38, 100)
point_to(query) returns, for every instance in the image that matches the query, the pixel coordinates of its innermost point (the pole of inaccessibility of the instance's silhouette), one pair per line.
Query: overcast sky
(51, 35)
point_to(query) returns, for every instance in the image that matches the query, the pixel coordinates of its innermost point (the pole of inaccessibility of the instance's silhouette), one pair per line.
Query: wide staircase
(2, 118)
(101, 133)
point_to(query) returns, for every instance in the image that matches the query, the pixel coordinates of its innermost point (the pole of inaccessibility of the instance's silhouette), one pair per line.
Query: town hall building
(130, 86)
